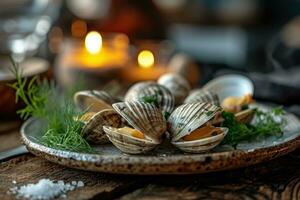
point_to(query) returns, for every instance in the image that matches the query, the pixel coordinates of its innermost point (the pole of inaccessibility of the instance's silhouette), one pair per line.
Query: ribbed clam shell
(188, 117)
(201, 145)
(177, 85)
(128, 144)
(133, 92)
(93, 128)
(163, 96)
(200, 95)
(94, 100)
(144, 117)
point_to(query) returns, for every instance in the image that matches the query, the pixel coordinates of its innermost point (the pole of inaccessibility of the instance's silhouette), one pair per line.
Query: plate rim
(177, 164)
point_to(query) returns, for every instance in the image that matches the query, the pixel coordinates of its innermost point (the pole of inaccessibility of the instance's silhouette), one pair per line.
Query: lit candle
(93, 42)
(97, 59)
(145, 69)
(146, 59)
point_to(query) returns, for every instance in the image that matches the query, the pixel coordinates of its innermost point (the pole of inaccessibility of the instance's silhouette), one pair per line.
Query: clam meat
(235, 104)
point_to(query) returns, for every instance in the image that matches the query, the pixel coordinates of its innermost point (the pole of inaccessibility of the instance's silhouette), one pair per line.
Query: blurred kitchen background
(257, 38)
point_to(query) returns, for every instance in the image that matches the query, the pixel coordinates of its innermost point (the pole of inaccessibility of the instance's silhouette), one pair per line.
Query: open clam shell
(201, 95)
(128, 144)
(143, 117)
(177, 85)
(195, 117)
(93, 100)
(244, 116)
(201, 145)
(94, 122)
(188, 117)
(152, 92)
(230, 85)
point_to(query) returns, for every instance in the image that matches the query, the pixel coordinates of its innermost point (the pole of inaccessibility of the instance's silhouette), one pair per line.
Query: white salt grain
(45, 189)
(80, 184)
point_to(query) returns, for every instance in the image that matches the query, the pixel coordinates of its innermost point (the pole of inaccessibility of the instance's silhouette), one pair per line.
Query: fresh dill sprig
(43, 100)
(265, 125)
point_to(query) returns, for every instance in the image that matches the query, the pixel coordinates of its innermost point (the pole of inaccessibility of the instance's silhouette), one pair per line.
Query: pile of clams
(164, 110)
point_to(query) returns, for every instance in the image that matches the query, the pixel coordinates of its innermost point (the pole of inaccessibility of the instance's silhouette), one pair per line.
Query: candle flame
(146, 59)
(93, 42)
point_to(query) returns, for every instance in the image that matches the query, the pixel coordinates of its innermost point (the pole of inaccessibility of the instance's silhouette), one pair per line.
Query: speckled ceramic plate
(166, 159)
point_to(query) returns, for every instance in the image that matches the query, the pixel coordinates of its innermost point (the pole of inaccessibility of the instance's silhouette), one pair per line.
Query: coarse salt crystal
(45, 189)
(80, 184)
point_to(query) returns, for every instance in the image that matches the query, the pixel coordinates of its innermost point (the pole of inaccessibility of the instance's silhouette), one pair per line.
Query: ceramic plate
(166, 159)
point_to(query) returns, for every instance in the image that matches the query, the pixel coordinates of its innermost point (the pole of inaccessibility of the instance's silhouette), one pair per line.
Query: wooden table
(278, 179)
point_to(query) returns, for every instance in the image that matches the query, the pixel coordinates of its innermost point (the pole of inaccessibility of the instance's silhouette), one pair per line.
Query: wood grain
(29, 169)
(278, 179)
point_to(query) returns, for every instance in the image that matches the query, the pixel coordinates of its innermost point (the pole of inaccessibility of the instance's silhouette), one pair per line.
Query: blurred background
(113, 42)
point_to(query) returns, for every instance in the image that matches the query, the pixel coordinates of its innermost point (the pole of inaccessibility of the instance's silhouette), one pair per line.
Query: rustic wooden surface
(278, 179)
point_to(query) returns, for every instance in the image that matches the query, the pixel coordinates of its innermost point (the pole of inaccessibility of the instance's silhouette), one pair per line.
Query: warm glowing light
(93, 42)
(146, 59)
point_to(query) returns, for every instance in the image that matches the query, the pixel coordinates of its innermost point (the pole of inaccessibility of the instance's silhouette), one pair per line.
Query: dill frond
(43, 100)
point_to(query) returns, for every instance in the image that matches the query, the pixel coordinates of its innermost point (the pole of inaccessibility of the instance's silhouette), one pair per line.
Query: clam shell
(144, 117)
(200, 95)
(244, 116)
(188, 117)
(185, 66)
(128, 144)
(230, 85)
(93, 100)
(201, 145)
(134, 90)
(164, 97)
(177, 85)
(93, 128)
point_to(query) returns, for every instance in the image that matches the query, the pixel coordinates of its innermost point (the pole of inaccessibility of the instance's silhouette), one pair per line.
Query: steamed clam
(201, 95)
(94, 122)
(151, 92)
(177, 85)
(145, 130)
(99, 112)
(191, 129)
(235, 93)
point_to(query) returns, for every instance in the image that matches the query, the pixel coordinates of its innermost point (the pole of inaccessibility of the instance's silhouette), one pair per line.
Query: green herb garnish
(265, 125)
(152, 99)
(43, 100)
(167, 115)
